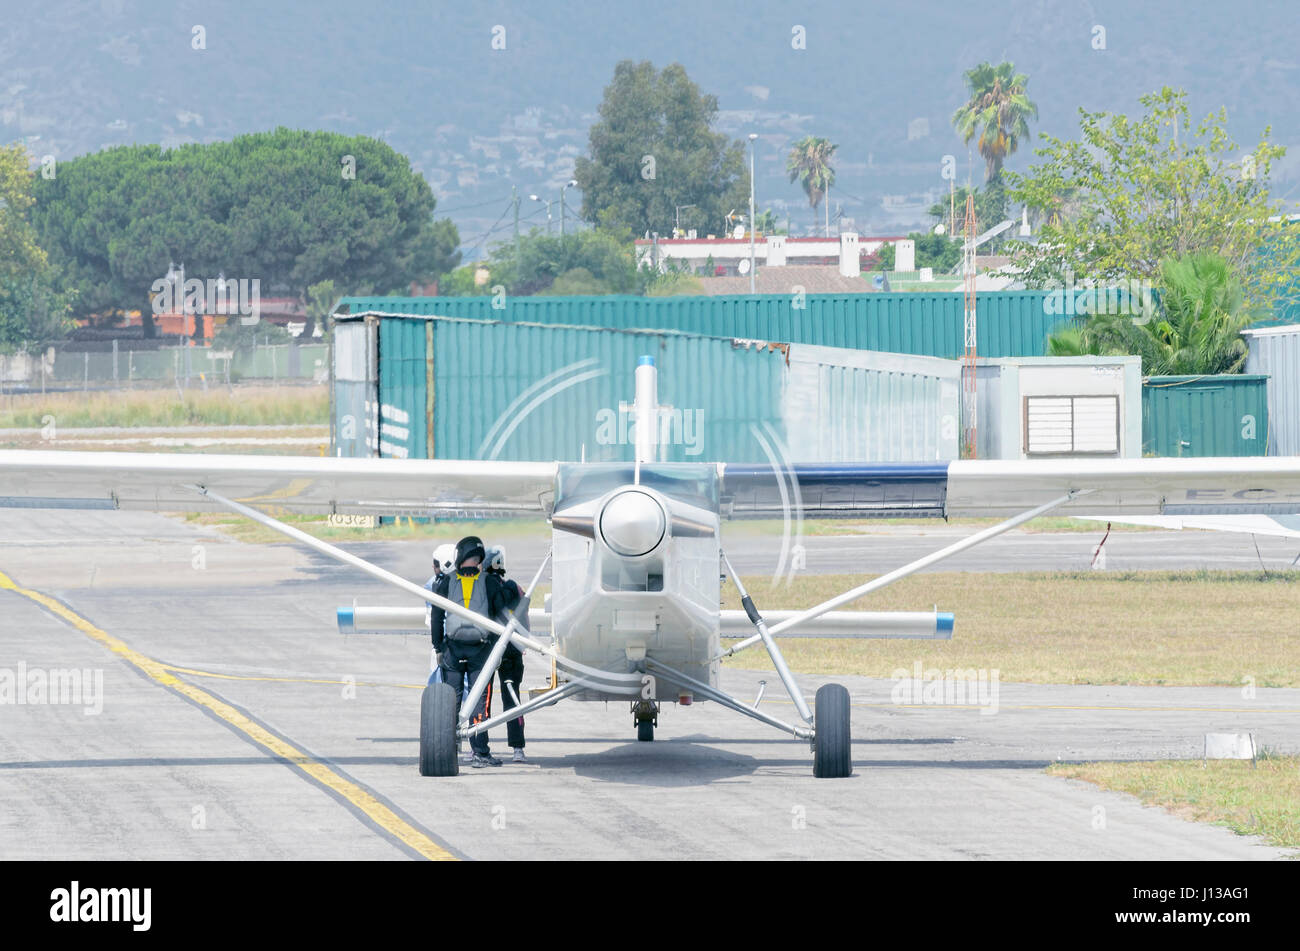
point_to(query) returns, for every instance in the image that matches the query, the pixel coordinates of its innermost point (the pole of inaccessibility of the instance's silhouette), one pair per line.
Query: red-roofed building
(723, 256)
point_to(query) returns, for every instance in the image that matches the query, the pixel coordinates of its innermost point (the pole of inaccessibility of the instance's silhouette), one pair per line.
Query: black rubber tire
(833, 746)
(645, 731)
(438, 744)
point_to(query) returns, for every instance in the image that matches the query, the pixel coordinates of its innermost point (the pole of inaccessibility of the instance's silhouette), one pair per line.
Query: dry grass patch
(237, 406)
(1152, 627)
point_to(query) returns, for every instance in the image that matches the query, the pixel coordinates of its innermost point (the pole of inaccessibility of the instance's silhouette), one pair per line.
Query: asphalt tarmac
(220, 715)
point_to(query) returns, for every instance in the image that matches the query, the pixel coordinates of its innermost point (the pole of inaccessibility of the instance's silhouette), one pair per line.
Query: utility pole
(952, 208)
(514, 197)
(752, 137)
(571, 183)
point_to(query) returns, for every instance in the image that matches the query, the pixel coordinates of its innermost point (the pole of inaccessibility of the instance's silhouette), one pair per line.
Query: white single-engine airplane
(636, 547)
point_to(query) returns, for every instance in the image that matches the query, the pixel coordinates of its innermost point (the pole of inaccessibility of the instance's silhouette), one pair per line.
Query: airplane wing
(1003, 488)
(164, 483)
(1281, 526)
(472, 488)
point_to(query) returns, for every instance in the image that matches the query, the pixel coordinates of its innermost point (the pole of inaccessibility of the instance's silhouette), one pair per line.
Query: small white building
(1044, 407)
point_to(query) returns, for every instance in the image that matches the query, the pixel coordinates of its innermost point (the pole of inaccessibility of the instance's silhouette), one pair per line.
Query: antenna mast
(968, 363)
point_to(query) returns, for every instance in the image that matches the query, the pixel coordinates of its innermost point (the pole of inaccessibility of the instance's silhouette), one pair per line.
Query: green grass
(1251, 800)
(240, 406)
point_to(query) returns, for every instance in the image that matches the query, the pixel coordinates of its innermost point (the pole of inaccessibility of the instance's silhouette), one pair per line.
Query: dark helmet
(467, 547)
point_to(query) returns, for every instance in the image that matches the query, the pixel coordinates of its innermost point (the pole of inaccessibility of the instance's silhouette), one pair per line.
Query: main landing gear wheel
(645, 714)
(832, 746)
(438, 744)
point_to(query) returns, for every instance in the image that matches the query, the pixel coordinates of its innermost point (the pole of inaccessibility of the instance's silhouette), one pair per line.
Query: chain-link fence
(72, 365)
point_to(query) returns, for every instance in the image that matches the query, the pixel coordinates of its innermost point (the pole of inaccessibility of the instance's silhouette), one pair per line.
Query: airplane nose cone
(632, 523)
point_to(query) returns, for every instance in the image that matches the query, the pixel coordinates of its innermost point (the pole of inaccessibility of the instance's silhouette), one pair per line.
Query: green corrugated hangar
(456, 388)
(868, 377)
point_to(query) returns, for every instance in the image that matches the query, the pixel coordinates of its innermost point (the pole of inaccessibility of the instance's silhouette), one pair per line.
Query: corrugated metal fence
(1011, 323)
(57, 366)
(1205, 415)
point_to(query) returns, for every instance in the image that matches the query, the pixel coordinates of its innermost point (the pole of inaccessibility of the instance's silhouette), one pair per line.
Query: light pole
(177, 278)
(677, 218)
(752, 137)
(547, 203)
(571, 183)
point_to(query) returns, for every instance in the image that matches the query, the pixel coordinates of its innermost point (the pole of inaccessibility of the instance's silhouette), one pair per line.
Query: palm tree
(1195, 330)
(810, 164)
(1073, 342)
(1202, 316)
(998, 111)
(765, 223)
(1106, 335)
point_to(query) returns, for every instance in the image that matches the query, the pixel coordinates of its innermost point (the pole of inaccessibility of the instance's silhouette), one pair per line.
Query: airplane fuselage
(635, 571)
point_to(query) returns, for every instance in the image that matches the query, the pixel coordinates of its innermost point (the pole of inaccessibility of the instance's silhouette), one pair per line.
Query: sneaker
(466, 758)
(478, 762)
(519, 756)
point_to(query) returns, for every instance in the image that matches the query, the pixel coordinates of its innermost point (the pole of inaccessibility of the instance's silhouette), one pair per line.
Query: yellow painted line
(380, 814)
(285, 680)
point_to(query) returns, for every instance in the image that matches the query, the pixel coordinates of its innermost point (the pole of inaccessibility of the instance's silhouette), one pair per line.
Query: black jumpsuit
(459, 658)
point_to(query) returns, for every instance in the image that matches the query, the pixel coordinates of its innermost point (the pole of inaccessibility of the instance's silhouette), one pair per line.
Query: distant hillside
(882, 80)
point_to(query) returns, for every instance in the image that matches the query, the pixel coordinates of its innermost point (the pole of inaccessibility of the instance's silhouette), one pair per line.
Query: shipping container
(353, 427)
(456, 388)
(1276, 352)
(1009, 323)
(1223, 415)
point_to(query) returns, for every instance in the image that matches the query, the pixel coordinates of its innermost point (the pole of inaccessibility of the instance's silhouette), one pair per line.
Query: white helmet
(444, 558)
(496, 558)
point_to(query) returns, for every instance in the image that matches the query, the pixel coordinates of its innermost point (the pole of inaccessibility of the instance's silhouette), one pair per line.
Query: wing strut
(604, 677)
(778, 659)
(494, 658)
(887, 579)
